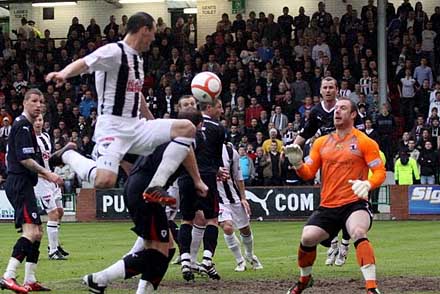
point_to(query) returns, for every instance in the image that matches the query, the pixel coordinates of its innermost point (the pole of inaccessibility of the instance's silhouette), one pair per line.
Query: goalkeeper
(344, 156)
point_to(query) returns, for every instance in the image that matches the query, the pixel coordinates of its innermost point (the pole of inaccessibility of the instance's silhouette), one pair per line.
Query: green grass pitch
(402, 249)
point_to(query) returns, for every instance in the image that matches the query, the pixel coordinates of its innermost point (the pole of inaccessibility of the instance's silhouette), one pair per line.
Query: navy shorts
(332, 220)
(190, 202)
(20, 192)
(150, 219)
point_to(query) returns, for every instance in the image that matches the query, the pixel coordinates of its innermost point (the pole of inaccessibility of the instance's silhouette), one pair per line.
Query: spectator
(246, 166)
(285, 21)
(386, 126)
(419, 126)
(260, 163)
(252, 111)
(111, 26)
(77, 27)
(407, 92)
(371, 132)
(93, 29)
(279, 119)
(323, 19)
(161, 25)
(423, 72)
(234, 136)
(273, 134)
(5, 129)
(238, 24)
(405, 169)
(428, 162)
(301, 22)
(300, 88)
(122, 30)
(68, 176)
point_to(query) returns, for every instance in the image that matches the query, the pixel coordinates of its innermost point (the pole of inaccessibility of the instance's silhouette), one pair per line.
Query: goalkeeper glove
(360, 188)
(294, 154)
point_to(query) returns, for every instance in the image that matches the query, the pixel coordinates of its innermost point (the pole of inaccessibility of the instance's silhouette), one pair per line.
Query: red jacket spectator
(253, 111)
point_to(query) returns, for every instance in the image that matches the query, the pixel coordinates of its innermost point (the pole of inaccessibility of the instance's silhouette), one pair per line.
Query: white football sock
(197, 237)
(248, 243)
(137, 246)
(11, 269)
(29, 272)
(52, 236)
(144, 287)
(369, 272)
(334, 243)
(305, 271)
(113, 272)
(234, 245)
(172, 157)
(84, 167)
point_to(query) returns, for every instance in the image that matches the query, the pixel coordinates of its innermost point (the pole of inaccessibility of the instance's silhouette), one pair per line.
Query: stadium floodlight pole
(382, 50)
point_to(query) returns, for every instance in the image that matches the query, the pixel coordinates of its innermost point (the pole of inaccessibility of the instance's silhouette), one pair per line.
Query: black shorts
(20, 193)
(190, 202)
(332, 220)
(150, 220)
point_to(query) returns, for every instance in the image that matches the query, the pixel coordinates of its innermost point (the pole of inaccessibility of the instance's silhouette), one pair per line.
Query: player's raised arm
(75, 68)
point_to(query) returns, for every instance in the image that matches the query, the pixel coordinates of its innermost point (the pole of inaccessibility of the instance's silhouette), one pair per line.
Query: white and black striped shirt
(228, 190)
(45, 145)
(119, 77)
(365, 85)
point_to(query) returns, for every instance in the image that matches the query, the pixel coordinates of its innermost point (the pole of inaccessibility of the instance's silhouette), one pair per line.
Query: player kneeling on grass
(151, 224)
(235, 211)
(344, 157)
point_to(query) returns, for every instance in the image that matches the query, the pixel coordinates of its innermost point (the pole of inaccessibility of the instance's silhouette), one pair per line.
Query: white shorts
(49, 195)
(116, 136)
(173, 191)
(233, 212)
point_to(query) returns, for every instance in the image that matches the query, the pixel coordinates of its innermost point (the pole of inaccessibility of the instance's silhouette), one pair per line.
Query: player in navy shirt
(24, 164)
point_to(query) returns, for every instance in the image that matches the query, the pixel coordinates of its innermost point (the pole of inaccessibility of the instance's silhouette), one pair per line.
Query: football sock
(334, 243)
(113, 272)
(248, 243)
(197, 237)
(155, 268)
(306, 258)
(21, 249)
(144, 287)
(31, 263)
(234, 245)
(137, 246)
(172, 157)
(29, 272)
(84, 167)
(52, 236)
(185, 238)
(366, 261)
(210, 238)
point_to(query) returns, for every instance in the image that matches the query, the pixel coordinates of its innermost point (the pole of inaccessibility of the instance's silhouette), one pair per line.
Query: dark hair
(139, 20)
(353, 105)
(204, 105)
(192, 115)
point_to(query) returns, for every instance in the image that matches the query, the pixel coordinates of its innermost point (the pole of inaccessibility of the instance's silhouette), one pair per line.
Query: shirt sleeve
(308, 170)
(311, 127)
(24, 147)
(370, 150)
(104, 58)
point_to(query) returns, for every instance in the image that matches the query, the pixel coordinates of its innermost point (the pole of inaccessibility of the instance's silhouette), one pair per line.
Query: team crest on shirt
(34, 215)
(353, 147)
(164, 233)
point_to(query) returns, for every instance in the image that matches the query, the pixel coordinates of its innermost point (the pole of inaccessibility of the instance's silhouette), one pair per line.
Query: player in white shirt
(234, 212)
(49, 195)
(119, 78)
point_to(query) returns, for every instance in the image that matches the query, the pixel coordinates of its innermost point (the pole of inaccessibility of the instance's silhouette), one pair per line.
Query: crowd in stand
(271, 69)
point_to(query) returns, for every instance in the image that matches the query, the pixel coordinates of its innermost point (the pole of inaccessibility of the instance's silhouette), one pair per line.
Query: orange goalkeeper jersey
(341, 160)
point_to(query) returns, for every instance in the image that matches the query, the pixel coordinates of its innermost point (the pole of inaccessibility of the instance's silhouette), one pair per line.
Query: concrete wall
(210, 12)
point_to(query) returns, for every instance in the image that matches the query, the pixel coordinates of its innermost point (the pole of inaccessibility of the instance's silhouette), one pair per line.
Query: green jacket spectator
(405, 170)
